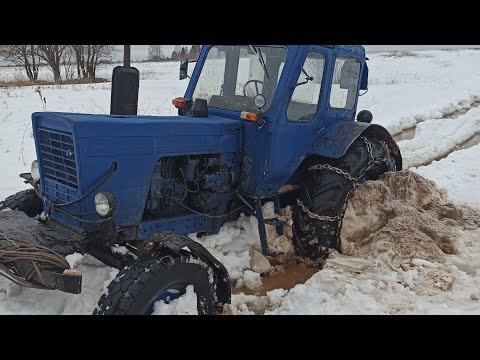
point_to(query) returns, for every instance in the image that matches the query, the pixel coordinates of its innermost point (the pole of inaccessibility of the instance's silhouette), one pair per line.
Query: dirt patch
(404, 216)
(282, 271)
(284, 276)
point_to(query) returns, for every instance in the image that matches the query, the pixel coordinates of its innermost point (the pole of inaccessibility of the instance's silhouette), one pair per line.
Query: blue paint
(261, 159)
(172, 293)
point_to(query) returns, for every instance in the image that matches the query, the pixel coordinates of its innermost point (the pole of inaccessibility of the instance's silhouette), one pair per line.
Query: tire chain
(372, 161)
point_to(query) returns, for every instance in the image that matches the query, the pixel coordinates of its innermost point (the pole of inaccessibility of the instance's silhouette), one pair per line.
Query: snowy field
(409, 246)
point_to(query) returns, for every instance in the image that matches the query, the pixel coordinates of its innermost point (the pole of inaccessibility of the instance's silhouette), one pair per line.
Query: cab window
(343, 93)
(305, 98)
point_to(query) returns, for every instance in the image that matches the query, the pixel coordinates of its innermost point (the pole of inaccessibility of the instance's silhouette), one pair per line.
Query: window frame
(325, 66)
(193, 85)
(342, 55)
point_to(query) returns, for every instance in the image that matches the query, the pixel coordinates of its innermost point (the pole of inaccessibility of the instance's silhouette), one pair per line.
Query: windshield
(232, 76)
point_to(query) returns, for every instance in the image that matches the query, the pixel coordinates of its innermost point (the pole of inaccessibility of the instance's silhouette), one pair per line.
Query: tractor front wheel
(319, 210)
(136, 289)
(26, 201)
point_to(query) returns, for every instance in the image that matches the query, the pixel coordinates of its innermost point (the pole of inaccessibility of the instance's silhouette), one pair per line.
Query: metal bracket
(69, 281)
(261, 228)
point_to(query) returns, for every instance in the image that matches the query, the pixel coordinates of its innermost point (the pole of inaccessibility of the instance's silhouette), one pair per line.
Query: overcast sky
(139, 52)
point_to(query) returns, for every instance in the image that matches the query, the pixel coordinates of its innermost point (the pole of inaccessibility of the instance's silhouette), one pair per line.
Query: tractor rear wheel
(26, 201)
(319, 210)
(137, 288)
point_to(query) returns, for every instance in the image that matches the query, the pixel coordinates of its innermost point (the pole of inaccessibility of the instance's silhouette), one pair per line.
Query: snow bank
(437, 138)
(459, 174)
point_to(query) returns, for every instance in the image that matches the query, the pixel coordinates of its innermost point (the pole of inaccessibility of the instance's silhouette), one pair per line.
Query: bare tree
(78, 53)
(26, 56)
(183, 53)
(194, 52)
(68, 64)
(53, 56)
(88, 57)
(97, 54)
(155, 53)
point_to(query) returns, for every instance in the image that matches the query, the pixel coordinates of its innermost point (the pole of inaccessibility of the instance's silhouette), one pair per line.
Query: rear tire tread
(314, 238)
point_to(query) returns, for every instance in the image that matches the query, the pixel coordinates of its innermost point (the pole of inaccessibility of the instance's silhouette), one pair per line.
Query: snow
(184, 305)
(405, 90)
(15, 299)
(74, 260)
(437, 92)
(251, 279)
(438, 137)
(116, 249)
(459, 174)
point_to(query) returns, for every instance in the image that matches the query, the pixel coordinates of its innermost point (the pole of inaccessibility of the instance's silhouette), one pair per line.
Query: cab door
(300, 118)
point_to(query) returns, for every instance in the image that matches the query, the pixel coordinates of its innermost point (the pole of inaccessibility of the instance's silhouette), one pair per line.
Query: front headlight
(35, 171)
(105, 204)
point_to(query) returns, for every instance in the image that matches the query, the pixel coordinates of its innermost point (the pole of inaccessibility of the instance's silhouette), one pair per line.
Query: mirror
(183, 68)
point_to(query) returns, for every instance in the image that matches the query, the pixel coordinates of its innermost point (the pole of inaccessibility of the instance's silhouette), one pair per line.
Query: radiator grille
(58, 157)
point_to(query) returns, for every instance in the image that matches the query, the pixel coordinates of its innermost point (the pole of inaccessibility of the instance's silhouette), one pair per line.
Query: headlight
(105, 204)
(35, 171)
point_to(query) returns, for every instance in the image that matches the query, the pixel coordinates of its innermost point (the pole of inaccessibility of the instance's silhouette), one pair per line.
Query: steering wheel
(256, 82)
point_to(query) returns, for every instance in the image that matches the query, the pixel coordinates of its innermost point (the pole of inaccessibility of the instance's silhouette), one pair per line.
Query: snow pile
(401, 216)
(237, 246)
(407, 249)
(184, 305)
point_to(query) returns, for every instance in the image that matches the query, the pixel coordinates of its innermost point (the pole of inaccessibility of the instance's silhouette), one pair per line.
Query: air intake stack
(125, 84)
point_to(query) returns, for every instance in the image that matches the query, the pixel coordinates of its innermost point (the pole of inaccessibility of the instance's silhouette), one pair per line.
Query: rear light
(180, 102)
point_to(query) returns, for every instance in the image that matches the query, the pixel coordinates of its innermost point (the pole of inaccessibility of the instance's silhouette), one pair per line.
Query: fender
(176, 242)
(334, 141)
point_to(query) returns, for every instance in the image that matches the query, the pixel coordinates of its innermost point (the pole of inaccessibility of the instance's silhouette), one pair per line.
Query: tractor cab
(246, 78)
(286, 95)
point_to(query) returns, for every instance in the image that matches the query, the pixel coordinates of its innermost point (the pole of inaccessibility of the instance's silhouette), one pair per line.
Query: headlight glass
(35, 171)
(104, 204)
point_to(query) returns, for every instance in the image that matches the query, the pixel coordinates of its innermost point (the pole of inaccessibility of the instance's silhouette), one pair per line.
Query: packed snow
(434, 271)
(184, 305)
(458, 174)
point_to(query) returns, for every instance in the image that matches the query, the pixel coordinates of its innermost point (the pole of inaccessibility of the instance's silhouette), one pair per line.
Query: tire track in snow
(407, 124)
(436, 138)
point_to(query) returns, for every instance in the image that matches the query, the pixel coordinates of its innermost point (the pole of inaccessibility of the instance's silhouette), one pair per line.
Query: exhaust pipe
(125, 86)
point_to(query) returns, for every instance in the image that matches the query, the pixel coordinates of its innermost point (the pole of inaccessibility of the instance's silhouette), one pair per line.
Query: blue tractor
(256, 124)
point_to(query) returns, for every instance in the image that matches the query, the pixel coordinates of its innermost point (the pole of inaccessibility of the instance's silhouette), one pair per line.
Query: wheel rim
(172, 292)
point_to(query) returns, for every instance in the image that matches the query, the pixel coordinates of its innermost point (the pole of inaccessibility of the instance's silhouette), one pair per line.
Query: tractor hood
(104, 135)
(75, 151)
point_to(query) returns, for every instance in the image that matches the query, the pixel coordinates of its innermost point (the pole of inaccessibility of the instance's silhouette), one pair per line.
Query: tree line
(79, 61)
(82, 58)
(157, 53)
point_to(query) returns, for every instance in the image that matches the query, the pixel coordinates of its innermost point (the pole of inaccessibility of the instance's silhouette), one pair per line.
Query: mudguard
(334, 141)
(176, 242)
